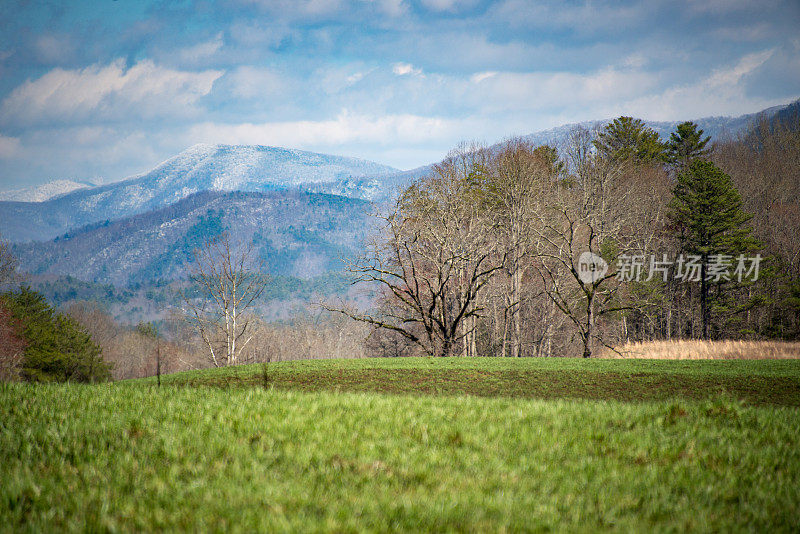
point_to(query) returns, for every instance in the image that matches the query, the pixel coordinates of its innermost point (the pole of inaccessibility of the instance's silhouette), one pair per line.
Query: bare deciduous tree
(305, 336)
(12, 346)
(228, 282)
(8, 263)
(595, 213)
(520, 176)
(437, 252)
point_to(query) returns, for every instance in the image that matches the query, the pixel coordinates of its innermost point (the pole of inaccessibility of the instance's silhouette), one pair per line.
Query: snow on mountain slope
(255, 168)
(230, 168)
(199, 168)
(296, 233)
(42, 192)
(717, 128)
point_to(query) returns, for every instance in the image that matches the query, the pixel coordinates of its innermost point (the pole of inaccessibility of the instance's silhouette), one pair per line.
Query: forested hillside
(296, 234)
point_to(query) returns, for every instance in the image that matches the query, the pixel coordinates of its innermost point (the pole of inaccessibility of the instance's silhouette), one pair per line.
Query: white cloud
(522, 92)
(480, 76)
(298, 8)
(201, 51)
(720, 93)
(446, 48)
(393, 8)
(109, 92)
(637, 60)
(404, 69)
(439, 5)
(346, 128)
(355, 78)
(728, 78)
(317, 7)
(778, 76)
(339, 79)
(93, 153)
(9, 147)
(249, 82)
(448, 5)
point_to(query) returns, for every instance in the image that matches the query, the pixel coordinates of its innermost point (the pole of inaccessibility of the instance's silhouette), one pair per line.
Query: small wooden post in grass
(265, 379)
(150, 330)
(158, 359)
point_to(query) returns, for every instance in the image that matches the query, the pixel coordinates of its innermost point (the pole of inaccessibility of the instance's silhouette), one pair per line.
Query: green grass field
(396, 445)
(751, 381)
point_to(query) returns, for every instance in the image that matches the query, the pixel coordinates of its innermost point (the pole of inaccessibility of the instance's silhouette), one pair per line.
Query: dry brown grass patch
(706, 350)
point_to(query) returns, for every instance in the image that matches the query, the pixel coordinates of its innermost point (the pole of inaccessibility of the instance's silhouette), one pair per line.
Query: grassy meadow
(410, 445)
(774, 382)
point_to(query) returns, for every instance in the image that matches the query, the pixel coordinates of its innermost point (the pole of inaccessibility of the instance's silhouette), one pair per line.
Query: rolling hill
(257, 168)
(199, 168)
(719, 128)
(296, 233)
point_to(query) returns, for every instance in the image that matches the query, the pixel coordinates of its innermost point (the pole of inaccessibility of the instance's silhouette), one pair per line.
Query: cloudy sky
(104, 89)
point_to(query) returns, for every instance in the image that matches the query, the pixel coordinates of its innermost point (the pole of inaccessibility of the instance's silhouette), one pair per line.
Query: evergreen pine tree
(706, 210)
(629, 139)
(57, 348)
(686, 144)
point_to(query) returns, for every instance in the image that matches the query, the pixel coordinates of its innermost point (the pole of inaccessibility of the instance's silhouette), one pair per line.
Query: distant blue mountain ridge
(305, 212)
(200, 168)
(257, 168)
(295, 234)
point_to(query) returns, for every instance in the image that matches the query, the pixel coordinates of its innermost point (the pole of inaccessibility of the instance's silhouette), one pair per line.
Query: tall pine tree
(706, 211)
(628, 139)
(686, 144)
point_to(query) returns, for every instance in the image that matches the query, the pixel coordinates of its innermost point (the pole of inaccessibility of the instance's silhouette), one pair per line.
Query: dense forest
(620, 237)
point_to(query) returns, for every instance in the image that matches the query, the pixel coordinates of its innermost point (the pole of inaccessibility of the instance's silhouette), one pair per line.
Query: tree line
(522, 250)
(514, 250)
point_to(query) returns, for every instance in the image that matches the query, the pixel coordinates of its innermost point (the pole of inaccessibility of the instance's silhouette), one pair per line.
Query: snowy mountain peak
(203, 167)
(43, 192)
(257, 167)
